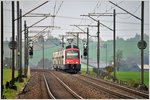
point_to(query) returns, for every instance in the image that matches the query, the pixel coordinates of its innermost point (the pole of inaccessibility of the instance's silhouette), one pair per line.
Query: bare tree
(119, 56)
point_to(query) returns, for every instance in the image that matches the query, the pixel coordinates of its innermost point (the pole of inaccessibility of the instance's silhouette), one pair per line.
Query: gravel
(35, 88)
(82, 88)
(59, 91)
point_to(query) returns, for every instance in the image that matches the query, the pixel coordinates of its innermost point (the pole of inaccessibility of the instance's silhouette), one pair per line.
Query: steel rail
(135, 92)
(48, 89)
(67, 87)
(122, 96)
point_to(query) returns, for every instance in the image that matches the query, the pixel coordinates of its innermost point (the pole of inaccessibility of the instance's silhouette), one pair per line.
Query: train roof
(67, 47)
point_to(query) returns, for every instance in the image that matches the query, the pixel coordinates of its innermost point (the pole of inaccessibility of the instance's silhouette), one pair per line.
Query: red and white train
(67, 59)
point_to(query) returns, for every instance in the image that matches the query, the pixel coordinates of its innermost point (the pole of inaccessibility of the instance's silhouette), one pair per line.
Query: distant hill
(128, 47)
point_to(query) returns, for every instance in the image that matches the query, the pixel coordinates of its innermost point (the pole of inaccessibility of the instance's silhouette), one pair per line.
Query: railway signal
(85, 49)
(31, 50)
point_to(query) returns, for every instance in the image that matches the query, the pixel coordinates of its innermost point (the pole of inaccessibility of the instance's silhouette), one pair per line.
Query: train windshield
(72, 54)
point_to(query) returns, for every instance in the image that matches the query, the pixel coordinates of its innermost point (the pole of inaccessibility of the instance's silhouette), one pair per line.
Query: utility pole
(13, 39)
(98, 33)
(2, 50)
(27, 53)
(78, 40)
(142, 49)
(62, 41)
(18, 41)
(43, 52)
(25, 50)
(16, 55)
(20, 74)
(106, 54)
(88, 51)
(114, 44)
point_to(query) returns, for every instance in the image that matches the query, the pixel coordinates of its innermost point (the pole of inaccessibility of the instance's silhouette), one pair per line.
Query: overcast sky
(69, 13)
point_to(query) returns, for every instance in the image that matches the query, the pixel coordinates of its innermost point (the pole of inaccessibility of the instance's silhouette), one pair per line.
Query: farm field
(133, 76)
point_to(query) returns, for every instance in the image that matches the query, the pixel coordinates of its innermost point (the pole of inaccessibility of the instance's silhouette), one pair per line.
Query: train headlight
(67, 62)
(76, 62)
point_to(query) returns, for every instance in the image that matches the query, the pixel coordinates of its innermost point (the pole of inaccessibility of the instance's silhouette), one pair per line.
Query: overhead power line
(59, 8)
(125, 10)
(69, 17)
(37, 22)
(105, 12)
(32, 10)
(133, 13)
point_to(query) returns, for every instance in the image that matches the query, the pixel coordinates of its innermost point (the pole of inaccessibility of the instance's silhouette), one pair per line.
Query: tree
(40, 39)
(119, 56)
(47, 63)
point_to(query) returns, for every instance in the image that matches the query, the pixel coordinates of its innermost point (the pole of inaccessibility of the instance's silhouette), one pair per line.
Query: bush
(134, 83)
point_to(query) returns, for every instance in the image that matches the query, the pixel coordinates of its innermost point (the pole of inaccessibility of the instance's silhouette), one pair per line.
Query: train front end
(72, 60)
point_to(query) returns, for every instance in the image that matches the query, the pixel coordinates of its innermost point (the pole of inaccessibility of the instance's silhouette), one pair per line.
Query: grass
(133, 77)
(10, 93)
(7, 74)
(84, 70)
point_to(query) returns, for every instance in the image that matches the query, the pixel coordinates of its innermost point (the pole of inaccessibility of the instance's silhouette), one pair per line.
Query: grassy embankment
(131, 77)
(11, 93)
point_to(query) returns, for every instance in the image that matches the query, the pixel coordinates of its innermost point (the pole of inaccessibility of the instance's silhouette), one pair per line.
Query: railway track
(115, 89)
(110, 89)
(48, 89)
(58, 89)
(85, 89)
(60, 85)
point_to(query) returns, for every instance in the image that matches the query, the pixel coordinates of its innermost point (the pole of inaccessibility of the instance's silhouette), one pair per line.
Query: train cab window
(72, 54)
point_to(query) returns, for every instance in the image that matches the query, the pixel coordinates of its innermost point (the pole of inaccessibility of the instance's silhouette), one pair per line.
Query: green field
(133, 77)
(10, 93)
